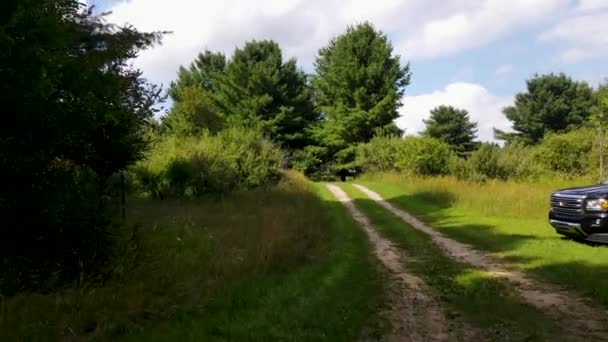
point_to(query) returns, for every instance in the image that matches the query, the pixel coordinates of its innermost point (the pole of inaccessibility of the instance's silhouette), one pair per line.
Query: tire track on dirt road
(413, 313)
(579, 319)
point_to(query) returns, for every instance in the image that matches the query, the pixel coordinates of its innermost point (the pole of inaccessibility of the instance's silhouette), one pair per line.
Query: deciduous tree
(358, 85)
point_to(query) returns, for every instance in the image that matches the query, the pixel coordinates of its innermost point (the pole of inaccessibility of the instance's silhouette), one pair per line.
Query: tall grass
(493, 197)
(508, 219)
(175, 256)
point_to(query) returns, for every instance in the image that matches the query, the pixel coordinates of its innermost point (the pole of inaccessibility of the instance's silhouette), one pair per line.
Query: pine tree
(453, 126)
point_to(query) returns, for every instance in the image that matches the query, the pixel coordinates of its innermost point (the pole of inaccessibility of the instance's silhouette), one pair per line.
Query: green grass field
(289, 263)
(468, 294)
(508, 219)
(275, 264)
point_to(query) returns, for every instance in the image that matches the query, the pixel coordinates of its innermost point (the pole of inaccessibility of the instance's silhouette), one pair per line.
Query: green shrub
(569, 153)
(234, 159)
(491, 161)
(309, 160)
(572, 154)
(520, 162)
(379, 155)
(412, 155)
(423, 156)
(485, 163)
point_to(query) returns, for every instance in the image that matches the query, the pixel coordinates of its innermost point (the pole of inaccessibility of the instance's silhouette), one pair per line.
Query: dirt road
(579, 319)
(413, 313)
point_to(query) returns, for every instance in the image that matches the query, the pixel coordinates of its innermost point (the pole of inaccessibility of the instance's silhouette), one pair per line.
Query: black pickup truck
(581, 213)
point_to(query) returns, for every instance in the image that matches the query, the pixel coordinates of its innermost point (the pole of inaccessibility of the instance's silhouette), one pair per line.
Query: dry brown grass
(175, 255)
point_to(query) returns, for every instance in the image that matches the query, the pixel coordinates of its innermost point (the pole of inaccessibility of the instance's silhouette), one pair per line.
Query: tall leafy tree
(260, 90)
(203, 72)
(552, 103)
(194, 112)
(453, 126)
(358, 86)
(75, 112)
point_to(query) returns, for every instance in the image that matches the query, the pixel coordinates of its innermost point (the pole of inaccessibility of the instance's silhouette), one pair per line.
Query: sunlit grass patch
(469, 294)
(505, 218)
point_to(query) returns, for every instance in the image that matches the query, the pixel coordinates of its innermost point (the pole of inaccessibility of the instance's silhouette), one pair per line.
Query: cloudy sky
(473, 54)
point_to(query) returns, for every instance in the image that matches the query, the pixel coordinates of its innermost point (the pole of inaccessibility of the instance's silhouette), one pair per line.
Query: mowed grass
(467, 293)
(275, 264)
(505, 218)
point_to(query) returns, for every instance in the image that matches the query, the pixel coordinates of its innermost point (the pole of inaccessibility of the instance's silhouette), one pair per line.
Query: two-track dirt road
(414, 313)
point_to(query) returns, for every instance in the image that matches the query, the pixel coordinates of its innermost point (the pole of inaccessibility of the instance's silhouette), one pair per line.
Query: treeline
(317, 121)
(559, 129)
(340, 119)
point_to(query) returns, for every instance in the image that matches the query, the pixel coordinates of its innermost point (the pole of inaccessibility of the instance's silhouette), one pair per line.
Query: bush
(570, 153)
(521, 162)
(485, 163)
(234, 159)
(493, 162)
(379, 155)
(423, 156)
(309, 160)
(413, 155)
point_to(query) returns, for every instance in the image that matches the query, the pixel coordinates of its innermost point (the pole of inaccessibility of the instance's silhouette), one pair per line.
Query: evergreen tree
(75, 113)
(193, 113)
(260, 90)
(203, 72)
(453, 126)
(552, 103)
(358, 86)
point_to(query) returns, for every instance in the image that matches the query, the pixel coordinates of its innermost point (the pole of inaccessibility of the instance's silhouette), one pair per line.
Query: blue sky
(474, 54)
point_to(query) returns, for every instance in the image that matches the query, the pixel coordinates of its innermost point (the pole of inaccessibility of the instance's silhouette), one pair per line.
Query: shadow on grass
(259, 265)
(567, 262)
(430, 207)
(440, 199)
(485, 301)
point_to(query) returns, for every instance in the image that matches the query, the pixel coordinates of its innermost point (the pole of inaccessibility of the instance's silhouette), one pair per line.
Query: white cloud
(418, 29)
(592, 5)
(584, 34)
(483, 107)
(504, 70)
(478, 23)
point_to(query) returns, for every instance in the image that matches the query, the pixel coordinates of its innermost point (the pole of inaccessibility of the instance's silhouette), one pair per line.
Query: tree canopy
(452, 126)
(193, 113)
(552, 103)
(255, 88)
(75, 112)
(358, 86)
(203, 72)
